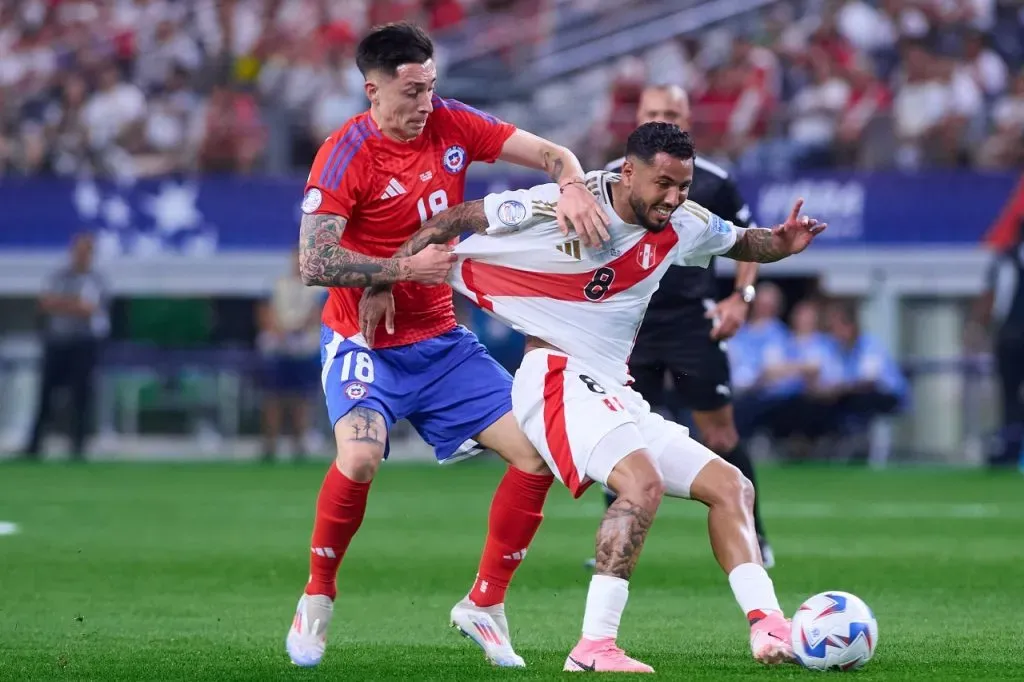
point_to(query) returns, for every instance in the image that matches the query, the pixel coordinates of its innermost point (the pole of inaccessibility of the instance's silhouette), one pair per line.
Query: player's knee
(736, 489)
(720, 484)
(361, 437)
(722, 440)
(637, 480)
(359, 462)
(651, 489)
(507, 439)
(523, 456)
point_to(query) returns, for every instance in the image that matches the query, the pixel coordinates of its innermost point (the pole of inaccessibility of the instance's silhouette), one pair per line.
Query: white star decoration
(116, 212)
(87, 200)
(174, 208)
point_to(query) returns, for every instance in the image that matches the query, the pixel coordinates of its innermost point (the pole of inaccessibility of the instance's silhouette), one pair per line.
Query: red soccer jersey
(387, 190)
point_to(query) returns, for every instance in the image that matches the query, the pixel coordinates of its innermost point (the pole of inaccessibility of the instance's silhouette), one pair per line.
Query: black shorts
(691, 373)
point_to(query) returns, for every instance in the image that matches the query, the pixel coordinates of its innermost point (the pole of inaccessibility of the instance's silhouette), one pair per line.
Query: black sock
(741, 460)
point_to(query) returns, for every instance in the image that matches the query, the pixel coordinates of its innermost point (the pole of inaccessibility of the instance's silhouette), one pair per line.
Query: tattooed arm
(324, 262)
(759, 245)
(578, 208)
(756, 245)
(446, 226)
(528, 150)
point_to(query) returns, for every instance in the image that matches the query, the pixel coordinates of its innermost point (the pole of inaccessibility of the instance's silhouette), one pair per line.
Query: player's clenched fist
(429, 266)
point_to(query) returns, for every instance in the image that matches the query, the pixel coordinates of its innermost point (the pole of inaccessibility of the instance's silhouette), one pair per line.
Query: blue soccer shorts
(448, 387)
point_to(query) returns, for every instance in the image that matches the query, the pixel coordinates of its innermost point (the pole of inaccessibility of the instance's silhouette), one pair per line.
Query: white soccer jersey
(586, 301)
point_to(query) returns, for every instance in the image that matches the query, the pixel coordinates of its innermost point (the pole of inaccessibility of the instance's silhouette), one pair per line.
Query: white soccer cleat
(488, 627)
(307, 637)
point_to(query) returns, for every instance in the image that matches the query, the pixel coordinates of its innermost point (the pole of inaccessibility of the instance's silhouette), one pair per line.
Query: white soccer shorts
(583, 425)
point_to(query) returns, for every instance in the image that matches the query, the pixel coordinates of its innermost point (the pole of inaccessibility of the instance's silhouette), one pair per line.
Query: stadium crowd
(142, 87)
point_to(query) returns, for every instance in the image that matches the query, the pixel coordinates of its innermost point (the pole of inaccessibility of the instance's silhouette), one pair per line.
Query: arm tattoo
(366, 426)
(621, 537)
(324, 262)
(553, 164)
(446, 226)
(755, 245)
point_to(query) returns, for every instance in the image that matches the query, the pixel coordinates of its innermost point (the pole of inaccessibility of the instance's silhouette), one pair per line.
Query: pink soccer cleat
(769, 639)
(602, 656)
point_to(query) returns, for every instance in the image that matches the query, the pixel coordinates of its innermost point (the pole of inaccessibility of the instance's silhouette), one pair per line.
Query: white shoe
(487, 626)
(307, 637)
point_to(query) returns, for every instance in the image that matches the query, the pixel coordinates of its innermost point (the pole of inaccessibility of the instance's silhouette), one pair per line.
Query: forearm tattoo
(446, 226)
(755, 244)
(621, 537)
(324, 262)
(554, 165)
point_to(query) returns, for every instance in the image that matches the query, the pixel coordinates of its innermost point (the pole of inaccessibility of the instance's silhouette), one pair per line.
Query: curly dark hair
(651, 138)
(387, 47)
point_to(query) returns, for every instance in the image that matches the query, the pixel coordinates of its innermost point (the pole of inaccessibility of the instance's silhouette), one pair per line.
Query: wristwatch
(747, 293)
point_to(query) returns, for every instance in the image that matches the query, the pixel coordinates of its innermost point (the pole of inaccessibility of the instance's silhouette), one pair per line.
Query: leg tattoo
(621, 537)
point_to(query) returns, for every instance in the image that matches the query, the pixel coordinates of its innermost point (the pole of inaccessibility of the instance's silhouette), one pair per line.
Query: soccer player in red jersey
(372, 185)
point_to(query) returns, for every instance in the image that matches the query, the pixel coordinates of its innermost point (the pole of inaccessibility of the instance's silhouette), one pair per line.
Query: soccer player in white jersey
(580, 307)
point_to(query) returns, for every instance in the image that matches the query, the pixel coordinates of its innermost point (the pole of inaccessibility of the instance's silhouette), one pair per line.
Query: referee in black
(682, 339)
(75, 307)
(1002, 306)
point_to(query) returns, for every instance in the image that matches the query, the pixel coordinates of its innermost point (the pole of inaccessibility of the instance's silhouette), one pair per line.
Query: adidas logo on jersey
(570, 248)
(394, 189)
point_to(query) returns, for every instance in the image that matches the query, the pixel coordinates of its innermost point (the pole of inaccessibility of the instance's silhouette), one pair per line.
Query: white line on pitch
(8, 528)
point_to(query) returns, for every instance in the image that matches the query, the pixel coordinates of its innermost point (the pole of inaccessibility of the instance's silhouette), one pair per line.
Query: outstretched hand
(374, 305)
(797, 233)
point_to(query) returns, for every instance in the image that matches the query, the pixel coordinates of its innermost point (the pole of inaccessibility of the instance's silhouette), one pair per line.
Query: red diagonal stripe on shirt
(486, 279)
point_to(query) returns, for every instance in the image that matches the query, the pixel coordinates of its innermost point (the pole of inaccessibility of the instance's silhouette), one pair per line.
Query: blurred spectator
(985, 65)
(805, 379)
(760, 96)
(757, 356)
(76, 313)
(861, 121)
(289, 341)
(229, 134)
(1004, 147)
(921, 104)
(113, 117)
(872, 383)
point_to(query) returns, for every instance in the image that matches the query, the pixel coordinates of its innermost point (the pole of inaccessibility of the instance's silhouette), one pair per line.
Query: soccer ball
(834, 631)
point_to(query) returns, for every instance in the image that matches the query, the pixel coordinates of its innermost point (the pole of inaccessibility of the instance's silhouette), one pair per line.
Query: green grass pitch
(191, 572)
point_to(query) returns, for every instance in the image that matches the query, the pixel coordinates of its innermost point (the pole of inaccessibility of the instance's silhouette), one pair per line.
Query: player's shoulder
(353, 139)
(448, 111)
(353, 135)
(691, 214)
(692, 219)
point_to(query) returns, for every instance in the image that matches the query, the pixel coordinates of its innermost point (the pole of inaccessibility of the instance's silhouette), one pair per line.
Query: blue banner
(202, 216)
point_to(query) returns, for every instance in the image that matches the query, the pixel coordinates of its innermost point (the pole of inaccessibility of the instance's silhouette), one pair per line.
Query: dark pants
(807, 416)
(1010, 365)
(68, 364)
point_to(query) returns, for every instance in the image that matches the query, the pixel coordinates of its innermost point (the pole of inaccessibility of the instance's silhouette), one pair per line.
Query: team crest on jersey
(454, 159)
(356, 390)
(312, 200)
(646, 255)
(570, 248)
(511, 213)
